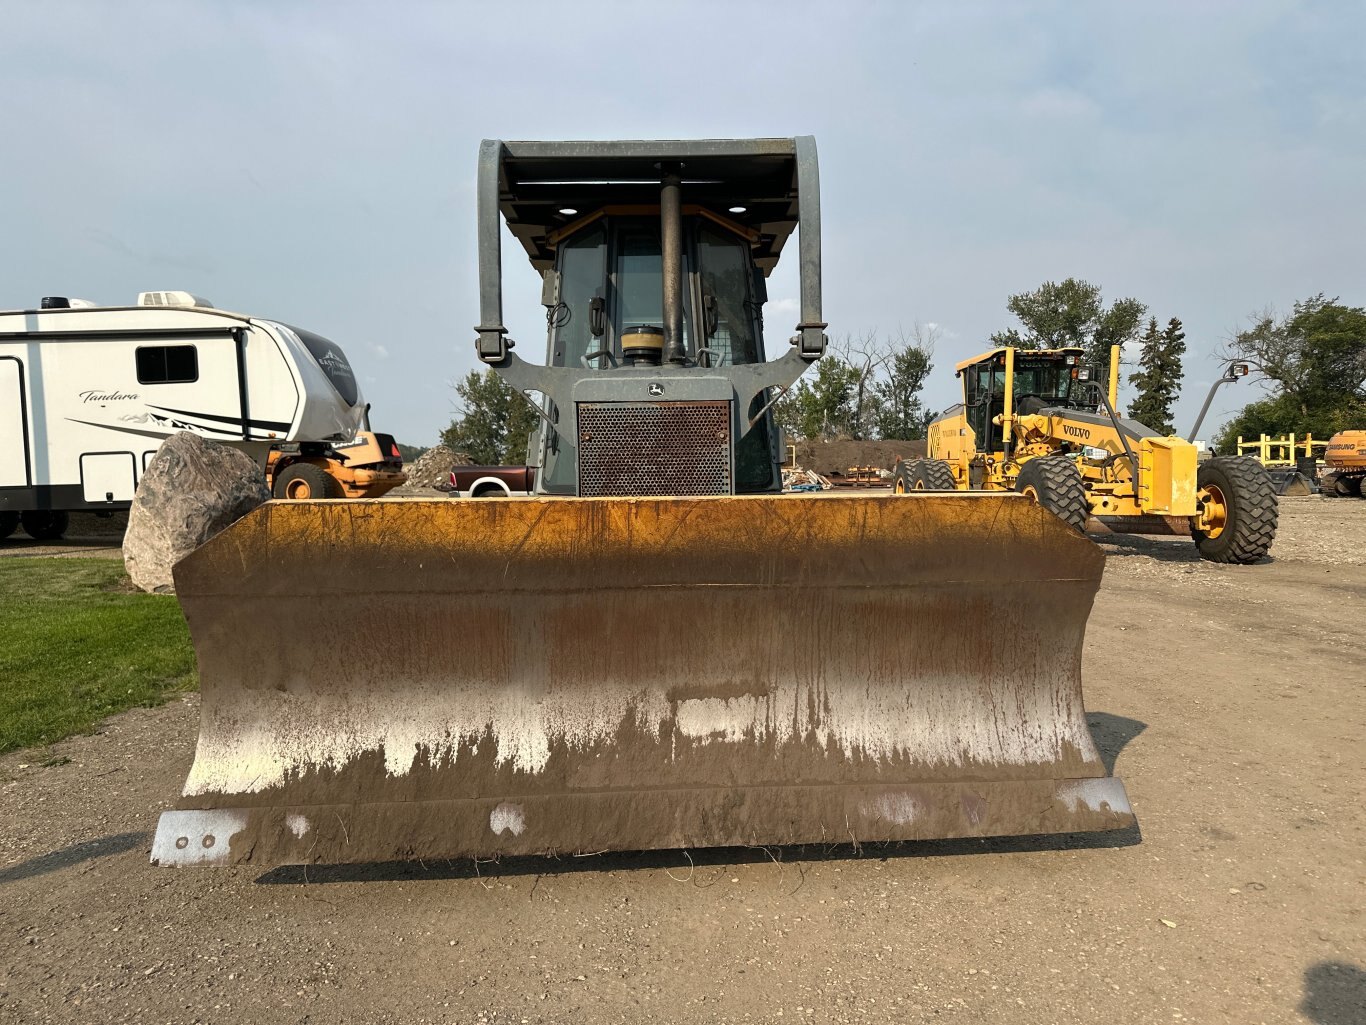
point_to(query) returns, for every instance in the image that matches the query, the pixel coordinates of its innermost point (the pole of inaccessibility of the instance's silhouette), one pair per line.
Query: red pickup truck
(490, 481)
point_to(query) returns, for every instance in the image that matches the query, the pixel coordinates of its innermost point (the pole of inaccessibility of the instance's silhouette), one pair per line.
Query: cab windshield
(611, 274)
(1049, 381)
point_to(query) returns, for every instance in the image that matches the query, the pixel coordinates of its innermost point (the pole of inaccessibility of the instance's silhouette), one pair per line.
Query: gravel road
(1230, 699)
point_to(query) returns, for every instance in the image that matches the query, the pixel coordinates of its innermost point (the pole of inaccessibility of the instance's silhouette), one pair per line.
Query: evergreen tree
(1158, 377)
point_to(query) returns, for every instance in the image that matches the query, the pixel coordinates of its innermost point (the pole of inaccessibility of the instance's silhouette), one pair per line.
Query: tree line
(1312, 361)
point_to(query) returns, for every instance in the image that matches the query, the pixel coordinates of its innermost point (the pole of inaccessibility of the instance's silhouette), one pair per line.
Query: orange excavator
(1345, 459)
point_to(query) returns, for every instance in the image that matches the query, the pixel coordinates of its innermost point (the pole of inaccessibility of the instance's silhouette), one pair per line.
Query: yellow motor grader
(657, 648)
(1034, 422)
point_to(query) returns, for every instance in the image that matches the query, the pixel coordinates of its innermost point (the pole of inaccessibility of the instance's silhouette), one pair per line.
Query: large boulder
(192, 489)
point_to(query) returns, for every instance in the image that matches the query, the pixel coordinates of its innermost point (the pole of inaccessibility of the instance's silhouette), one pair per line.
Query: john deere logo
(656, 389)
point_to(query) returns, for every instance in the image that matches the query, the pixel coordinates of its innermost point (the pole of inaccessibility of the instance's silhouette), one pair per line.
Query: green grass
(77, 644)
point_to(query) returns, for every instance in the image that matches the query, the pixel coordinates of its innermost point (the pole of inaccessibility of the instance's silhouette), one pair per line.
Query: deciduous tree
(900, 415)
(821, 405)
(1313, 360)
(492, 421)
(1072, 312)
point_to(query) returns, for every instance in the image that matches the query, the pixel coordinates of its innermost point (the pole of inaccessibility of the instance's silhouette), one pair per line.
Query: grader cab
(1035, 421)
(657, 649)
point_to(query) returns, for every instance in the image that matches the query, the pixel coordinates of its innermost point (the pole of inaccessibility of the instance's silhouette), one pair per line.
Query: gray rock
(192, 489)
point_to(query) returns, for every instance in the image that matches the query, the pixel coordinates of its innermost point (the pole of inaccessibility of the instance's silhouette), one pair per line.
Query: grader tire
(1055, 483)
(928, 475)
(1251, 509)
(934, 475)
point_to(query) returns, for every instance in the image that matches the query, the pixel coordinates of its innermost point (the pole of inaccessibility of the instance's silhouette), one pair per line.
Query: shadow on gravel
(1334, 994)
(1161, 549)
(73, 855)
(1112, 733)
(686, 865)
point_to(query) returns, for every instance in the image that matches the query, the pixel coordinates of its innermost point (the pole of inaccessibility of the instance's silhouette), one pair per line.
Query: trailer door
(13, 425)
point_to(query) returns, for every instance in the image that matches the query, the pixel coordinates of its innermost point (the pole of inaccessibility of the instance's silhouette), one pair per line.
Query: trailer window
(167, 364)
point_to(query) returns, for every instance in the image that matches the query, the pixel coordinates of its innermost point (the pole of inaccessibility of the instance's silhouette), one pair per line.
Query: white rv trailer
(88, 393)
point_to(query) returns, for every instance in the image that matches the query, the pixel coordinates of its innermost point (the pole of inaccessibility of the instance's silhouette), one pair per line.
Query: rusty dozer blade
(388, 680)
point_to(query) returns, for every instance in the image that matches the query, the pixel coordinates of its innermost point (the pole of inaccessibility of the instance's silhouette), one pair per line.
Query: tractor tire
(924, 475)
(1240, 491)
(1350, 487)
(901, 478)
(303, 481)
(9, 523)
(44, 524)
(1328, 486)
(1055, 483)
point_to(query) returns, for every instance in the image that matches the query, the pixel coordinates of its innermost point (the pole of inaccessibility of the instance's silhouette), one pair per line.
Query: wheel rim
(1212, 517)
(899, 487)
(1029, 491)
(298, 489)
(918, 486)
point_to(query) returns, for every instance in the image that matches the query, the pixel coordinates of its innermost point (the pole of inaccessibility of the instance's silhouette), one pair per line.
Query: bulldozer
(1035, 422)
(657, 648)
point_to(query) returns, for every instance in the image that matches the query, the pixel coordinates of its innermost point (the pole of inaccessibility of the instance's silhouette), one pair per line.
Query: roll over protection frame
(588, 165)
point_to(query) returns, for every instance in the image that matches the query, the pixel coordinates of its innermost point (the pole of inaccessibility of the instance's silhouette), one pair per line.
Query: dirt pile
(835, 457)
(431, 468)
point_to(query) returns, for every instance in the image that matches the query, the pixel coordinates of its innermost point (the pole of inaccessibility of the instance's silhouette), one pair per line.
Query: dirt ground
(1229, 699)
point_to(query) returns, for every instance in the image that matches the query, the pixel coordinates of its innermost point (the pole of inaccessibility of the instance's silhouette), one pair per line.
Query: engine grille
(654, 448)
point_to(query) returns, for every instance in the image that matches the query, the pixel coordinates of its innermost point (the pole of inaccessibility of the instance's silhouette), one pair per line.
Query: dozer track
(549, 676)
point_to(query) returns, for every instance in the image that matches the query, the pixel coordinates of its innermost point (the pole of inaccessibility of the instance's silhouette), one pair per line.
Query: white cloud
(968, 152)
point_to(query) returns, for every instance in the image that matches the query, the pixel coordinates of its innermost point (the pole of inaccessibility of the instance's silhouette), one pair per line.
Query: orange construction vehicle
(1345, 462)
(368, 466)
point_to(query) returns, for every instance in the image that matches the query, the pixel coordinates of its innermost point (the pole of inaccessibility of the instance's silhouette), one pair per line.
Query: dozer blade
(389, 680)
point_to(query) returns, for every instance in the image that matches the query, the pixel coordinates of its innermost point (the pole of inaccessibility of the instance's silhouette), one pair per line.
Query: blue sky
(315, 162)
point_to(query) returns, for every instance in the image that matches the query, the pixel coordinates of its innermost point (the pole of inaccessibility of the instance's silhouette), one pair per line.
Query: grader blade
(388, 680)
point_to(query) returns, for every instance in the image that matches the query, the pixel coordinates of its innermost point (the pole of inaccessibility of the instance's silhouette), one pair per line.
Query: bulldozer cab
(653, 257)
(605, 308)
(1017, 381)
